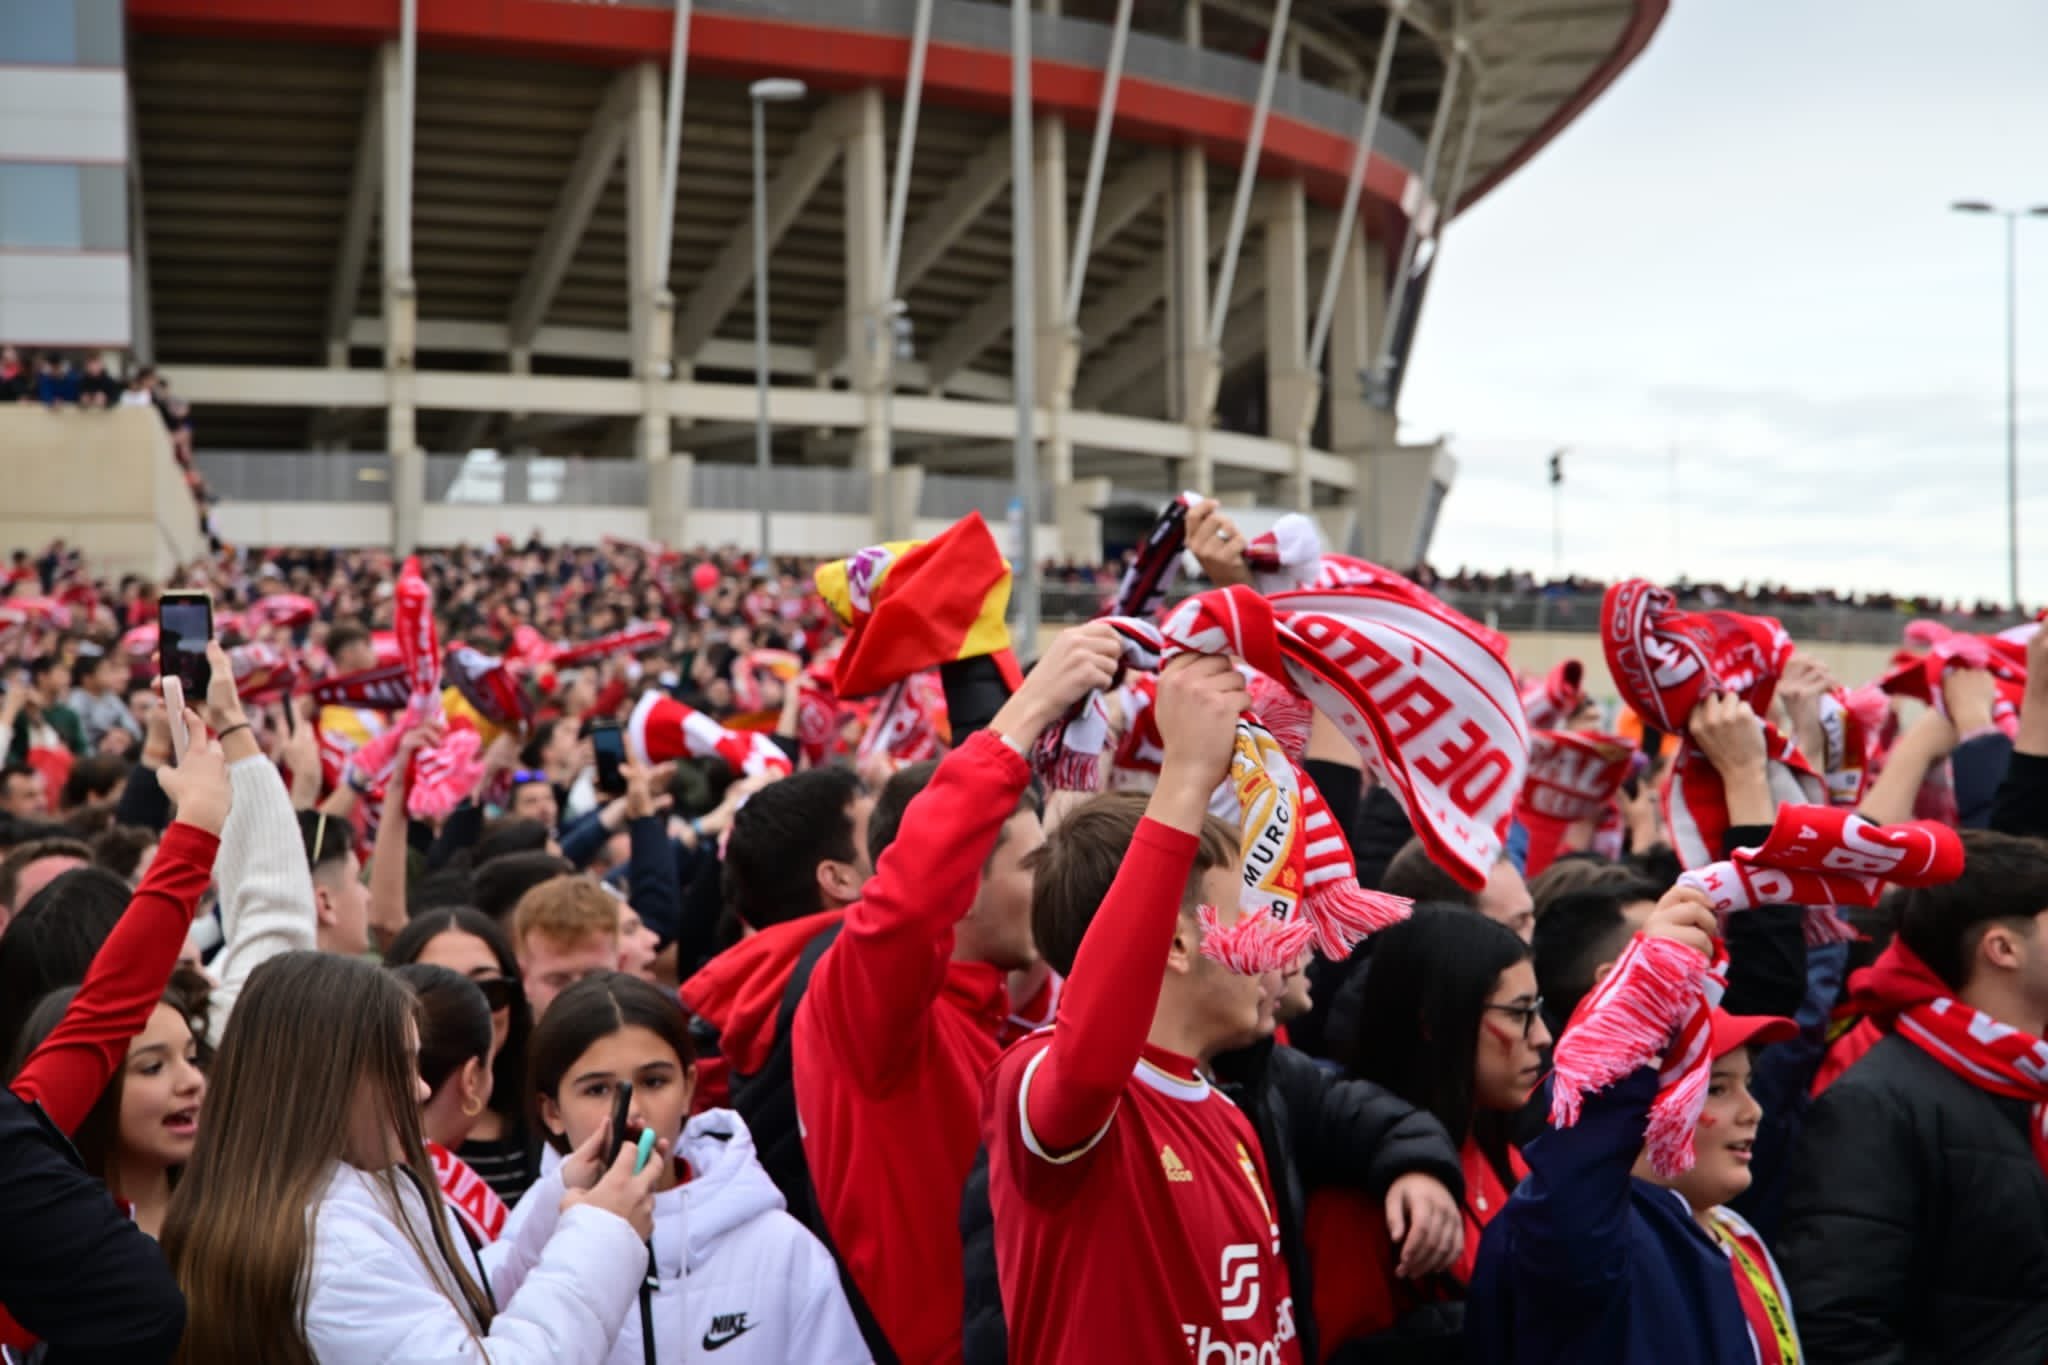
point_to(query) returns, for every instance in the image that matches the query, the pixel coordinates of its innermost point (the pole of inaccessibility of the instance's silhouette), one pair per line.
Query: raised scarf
(2003, 655)
(1900, 993)
(661, 729)
(1665, 662)
(1657, 1005)
(1552, 700)
(908, 723)
(1823, 857)
(446, 773)
(1573, 776)
(1430, 709)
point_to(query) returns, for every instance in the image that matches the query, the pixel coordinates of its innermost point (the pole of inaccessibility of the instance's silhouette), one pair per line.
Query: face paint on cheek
(1708, 1120)
(1506, 1039)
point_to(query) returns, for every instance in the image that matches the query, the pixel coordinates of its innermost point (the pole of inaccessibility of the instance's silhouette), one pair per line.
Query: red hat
(1732, 1031)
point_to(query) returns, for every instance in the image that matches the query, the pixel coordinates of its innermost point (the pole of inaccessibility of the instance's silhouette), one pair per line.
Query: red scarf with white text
(1902, 994)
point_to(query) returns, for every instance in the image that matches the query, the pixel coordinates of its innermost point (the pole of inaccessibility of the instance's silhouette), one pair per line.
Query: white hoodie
(742, 1282)
(372, 1299)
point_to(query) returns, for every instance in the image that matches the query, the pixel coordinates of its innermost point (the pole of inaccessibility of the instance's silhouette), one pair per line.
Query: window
(40, 205)
(60, 32)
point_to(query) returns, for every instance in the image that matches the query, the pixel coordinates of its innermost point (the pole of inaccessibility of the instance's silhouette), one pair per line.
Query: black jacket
(84, 1279)
(1317, 1131)
(1916, 1222)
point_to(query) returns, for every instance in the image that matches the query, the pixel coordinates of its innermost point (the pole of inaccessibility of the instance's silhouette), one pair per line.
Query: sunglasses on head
(497, 990)
(522, 777)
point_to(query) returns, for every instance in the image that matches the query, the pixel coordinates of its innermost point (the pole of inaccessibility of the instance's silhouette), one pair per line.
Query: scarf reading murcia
(1657, 1005)
(1431, 711)
(1666, 661)
(1900, 993)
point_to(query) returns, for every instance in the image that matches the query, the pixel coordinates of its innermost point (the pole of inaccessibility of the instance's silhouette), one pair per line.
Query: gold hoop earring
(469, 1112)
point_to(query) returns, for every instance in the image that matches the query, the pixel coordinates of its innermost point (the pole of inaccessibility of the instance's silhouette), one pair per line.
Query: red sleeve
(1106, 1007)
(1352, 1261)
(610, 699)
(69, 1069)
(876, 986)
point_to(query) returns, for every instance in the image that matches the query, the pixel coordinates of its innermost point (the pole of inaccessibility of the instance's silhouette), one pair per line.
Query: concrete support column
(1059, 344)
(401, 312)
(1292, 389)
(870, 340)
(1359, 428)
(650, 309)
(1193, 373)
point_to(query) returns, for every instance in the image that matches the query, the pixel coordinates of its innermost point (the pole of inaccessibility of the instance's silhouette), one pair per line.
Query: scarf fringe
(1342, 916)
(1673, 1116)
(1626, 1024)
(1286, 714)
(1254, 944)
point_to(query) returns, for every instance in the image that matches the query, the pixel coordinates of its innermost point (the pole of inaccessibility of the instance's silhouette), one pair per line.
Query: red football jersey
(1158, 1242)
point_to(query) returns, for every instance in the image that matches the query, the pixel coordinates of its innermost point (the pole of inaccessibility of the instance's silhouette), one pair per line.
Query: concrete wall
(104, 481)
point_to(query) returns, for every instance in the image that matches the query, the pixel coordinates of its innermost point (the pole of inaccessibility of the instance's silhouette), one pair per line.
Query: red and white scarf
(1665, 662)
(446, 773)
(473, 1200)
(1657, 1005)
(1823, 857)
(1432, 712)
(661, 729)
(1551, 701)
(908, 723)
(1901, 993)
(1572, 777)
(2004, 656)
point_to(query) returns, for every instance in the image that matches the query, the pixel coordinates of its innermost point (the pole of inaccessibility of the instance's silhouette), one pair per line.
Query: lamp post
(2012, 394)
(774, 90)
(1557, 511)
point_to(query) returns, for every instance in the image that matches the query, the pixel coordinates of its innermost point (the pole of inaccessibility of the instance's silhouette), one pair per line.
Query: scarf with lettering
(908, 723)
(1573, 776)
(1665, 662)
(1429, 708)
(474, 1201)
(1823, 857)
(1901, 994)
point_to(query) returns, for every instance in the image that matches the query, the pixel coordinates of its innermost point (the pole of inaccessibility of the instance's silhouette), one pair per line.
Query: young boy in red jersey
(1134, 1219)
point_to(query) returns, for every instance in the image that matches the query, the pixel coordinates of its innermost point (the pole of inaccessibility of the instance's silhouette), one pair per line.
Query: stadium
(435, 270)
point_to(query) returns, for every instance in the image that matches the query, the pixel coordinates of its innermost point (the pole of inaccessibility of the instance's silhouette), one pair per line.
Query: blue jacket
(1587, 1264)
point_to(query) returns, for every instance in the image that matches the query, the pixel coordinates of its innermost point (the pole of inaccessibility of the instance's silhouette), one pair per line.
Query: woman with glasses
(499, 1145)
(1451, 1022)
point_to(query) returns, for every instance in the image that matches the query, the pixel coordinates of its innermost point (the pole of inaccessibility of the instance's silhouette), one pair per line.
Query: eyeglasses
(497, 990)
(1528, 1014)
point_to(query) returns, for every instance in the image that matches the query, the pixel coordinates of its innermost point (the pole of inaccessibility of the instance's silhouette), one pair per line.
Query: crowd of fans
(560, 953)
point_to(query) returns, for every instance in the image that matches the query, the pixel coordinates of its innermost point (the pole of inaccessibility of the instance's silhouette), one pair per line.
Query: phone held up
(608, 747)
(184, 629)
(622, 1105)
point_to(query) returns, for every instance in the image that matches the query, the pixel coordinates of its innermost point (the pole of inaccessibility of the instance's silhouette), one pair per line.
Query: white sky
(1744, 249)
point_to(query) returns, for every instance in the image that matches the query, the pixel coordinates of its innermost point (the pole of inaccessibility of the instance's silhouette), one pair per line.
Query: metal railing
(295, 476)
(1523, 614)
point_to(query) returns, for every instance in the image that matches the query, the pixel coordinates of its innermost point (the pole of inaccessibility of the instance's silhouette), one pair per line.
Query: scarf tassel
(1673, 1116)
(1627, 1024)
(1254, 944)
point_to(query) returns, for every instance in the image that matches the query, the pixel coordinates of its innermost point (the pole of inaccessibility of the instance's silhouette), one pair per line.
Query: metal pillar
(1247, 178)
(649, 223)
(1024, 371)
(401, 305)
(1361, 157)
(1098, 159)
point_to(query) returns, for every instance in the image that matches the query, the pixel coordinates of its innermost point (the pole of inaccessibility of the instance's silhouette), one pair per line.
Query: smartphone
(184, 629)
(608, 743)
(622, 1104)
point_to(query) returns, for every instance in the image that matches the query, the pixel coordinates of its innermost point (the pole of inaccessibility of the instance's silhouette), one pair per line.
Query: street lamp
(774, 90)
(2012, 396)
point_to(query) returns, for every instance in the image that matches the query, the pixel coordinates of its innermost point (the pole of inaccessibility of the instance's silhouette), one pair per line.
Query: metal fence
(295, 476)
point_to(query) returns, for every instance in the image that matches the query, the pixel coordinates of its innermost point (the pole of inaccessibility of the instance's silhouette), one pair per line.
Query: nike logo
(726, 1328)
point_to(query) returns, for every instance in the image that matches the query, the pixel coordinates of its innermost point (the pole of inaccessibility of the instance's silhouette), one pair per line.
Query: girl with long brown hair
(308, 1226)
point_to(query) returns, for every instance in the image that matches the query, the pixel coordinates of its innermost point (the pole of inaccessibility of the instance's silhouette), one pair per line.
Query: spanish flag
(910, 605)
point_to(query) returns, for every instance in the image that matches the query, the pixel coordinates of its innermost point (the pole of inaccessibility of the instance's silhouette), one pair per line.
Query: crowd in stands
(59, 381)
(609, 953)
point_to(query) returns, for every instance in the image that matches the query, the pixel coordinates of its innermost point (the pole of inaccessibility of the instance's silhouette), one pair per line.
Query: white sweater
(739, 1277)
(373, 1299)
(266, 890)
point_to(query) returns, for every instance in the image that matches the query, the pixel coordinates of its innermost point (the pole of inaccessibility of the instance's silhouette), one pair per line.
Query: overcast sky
(1743, 250)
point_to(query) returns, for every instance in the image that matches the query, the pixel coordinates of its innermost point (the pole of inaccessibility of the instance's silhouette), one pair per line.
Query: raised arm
(1570, 1226)
(877, 984)
(67, 1072)
(266, 891)
(1107, 1005)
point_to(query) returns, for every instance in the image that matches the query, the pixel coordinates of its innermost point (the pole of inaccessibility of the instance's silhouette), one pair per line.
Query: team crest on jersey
(1176, 1170)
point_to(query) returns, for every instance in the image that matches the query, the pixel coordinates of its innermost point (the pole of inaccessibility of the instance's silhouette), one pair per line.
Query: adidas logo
(1176, 1172)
